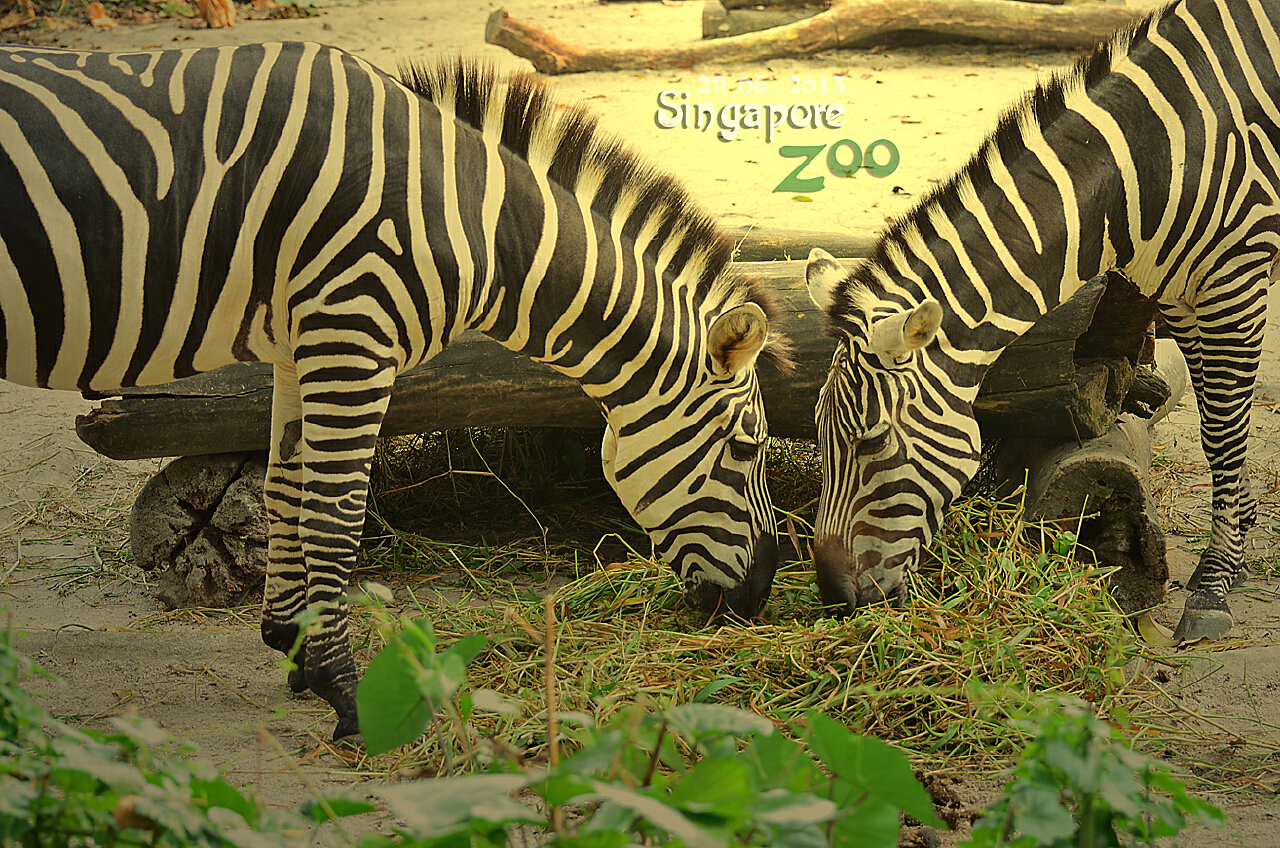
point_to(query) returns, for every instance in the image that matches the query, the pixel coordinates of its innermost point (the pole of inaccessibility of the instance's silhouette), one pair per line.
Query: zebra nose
(747, 597)
(837, 584)
(847, 582)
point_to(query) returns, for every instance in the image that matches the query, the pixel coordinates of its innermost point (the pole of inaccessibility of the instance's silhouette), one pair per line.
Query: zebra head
(690, 468)
(895, 450)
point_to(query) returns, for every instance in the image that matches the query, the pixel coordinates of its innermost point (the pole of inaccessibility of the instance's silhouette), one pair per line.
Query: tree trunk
(1107, 481)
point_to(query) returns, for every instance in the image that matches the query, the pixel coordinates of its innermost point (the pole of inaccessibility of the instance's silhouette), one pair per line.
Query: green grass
(994, 622)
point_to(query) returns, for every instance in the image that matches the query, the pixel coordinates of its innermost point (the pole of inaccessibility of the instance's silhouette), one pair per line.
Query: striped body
(1157, 156)
(169, 212)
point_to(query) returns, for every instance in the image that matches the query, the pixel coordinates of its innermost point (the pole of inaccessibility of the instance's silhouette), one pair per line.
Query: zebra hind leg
(1223, 360)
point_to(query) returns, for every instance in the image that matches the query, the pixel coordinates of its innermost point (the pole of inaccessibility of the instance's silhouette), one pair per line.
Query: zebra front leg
(1223, 351)
(285, 594)
(340, 428)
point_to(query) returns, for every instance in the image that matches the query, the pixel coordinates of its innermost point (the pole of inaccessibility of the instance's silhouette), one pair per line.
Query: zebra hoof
(348, 732)
(298, 681)
(1197, 624)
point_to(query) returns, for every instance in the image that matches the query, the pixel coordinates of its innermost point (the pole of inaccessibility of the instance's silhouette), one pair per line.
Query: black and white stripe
(168, 212)
(1157, 156)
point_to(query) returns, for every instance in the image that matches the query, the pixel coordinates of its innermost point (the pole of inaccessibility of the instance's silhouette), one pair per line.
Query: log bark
(201, 527)
(847, 23)
(1107, 481)
(477, 383)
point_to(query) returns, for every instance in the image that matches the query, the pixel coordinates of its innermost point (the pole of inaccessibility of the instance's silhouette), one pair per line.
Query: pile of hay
(994, 623)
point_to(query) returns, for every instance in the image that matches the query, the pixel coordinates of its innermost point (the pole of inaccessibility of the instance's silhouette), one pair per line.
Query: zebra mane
(865, 285)
(534, 126)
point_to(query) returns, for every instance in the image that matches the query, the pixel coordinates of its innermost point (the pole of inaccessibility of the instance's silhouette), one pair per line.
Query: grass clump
(993, 623)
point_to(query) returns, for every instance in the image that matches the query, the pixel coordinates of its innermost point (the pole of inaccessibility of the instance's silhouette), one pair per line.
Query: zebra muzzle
(847, 582)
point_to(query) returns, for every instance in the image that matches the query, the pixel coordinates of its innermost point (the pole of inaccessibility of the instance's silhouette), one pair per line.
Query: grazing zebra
(1157, 156)
(174, 211)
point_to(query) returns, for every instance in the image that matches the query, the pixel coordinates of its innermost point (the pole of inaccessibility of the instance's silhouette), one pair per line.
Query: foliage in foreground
(1078, 785)
(695, 774)
(60, 786)
(699, 775)
(709, 775)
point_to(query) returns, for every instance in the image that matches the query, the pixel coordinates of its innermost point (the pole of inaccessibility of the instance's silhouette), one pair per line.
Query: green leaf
(713, 687)
(219, 793)
(440, 806)
(871, 766)
(97, 762)
(873, 823)
(780, 807)
(721, 785)
(490, 701)
(659, 814)
(803, 836)
(1120, 789)
(696, 722)
(782, 763)
(341, 805)
(392, 709)
(467, 648)
(1082, 768)
(1039, 813)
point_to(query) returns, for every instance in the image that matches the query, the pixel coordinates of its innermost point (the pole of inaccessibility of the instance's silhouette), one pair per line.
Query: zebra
(1155, 156)
(177, 210)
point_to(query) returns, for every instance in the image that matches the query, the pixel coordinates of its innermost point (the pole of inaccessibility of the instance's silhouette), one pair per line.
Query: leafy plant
(60, 786)
(409, 682)
(693, 775)
(1078, 785)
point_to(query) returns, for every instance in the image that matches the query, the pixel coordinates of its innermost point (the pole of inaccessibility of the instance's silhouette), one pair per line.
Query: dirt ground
(64, 509)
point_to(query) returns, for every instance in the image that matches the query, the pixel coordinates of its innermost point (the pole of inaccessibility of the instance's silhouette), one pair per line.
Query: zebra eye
(742, 450)
(874, 443)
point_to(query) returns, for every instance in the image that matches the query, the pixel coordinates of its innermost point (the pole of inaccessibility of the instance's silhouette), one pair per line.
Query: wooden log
(200, 527)
(725, 18)
(1107, 481)
(477, 383)
(847, 23)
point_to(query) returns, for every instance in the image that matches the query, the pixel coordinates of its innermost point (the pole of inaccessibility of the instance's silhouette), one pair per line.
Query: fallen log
(724, 18)
(848, 23)
(200, 527)
(476, 382)
(1100, 489)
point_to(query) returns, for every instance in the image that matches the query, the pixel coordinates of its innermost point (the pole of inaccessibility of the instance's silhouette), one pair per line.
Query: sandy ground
(63, 508)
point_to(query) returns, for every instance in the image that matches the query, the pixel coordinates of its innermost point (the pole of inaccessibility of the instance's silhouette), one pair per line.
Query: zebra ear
(737, 337)
(897, 335)
(823, 275)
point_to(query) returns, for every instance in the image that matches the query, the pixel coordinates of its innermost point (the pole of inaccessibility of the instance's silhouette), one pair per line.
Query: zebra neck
(588, 296)
(1014, 235)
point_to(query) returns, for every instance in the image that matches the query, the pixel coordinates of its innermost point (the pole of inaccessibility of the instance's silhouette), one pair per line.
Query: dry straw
(994, 623)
